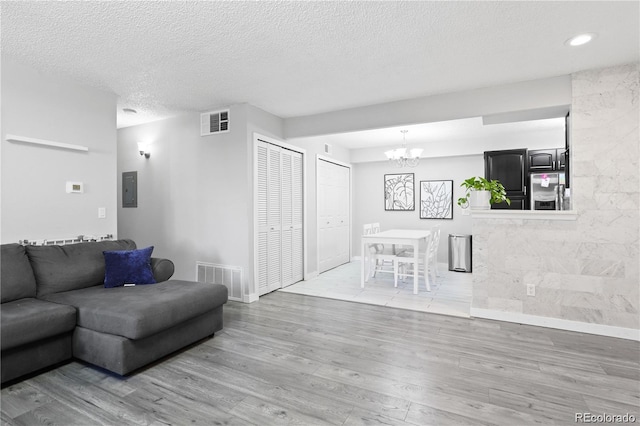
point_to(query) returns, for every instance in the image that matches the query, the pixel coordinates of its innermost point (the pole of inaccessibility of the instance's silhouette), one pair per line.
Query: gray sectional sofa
(55, 307)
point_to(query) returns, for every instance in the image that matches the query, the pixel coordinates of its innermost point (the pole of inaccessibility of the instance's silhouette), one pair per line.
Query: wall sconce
(144, 149)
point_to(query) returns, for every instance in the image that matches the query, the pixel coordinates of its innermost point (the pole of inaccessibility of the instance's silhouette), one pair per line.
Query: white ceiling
(302, 58)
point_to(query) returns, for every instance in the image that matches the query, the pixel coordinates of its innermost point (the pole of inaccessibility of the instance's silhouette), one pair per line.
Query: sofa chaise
(55, 307)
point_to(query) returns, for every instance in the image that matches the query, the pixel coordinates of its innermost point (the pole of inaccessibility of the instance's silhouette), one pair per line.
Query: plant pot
(479, 200)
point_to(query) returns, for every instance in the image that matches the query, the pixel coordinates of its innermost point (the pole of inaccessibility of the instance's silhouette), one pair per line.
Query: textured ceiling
(302, 58)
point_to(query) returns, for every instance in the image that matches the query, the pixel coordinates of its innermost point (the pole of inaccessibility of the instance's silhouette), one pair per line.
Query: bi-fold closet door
(280, 211)
(334, 222)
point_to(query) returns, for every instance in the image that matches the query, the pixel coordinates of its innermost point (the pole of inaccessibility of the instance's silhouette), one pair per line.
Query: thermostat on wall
(75, 187)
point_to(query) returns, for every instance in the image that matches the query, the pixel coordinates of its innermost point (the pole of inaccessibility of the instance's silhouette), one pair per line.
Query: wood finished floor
(296, 359)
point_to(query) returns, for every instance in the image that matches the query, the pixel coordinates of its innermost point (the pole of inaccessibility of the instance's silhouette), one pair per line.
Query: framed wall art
(399, 192)
(436, 199)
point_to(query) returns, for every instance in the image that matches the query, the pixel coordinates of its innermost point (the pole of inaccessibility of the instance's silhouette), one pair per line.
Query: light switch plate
(102, 212)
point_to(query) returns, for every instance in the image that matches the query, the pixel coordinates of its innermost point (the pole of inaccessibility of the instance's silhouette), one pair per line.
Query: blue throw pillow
(128, 266)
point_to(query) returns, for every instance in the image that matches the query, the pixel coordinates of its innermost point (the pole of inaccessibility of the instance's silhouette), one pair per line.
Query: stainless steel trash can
(460, 253)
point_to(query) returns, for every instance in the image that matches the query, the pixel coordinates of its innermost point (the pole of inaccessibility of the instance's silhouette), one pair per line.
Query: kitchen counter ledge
(525, 214)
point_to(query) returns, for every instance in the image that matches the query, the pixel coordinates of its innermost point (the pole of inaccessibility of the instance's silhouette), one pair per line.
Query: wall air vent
(214, 122)
(229, 276)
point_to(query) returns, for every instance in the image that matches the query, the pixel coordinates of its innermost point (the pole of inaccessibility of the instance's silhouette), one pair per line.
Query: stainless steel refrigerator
(547, 190)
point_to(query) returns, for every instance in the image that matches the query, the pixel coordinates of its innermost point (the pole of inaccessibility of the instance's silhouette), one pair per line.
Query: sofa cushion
(142, 310)
(16, 276)
(128, 266)
(71, 267)
(29, 320)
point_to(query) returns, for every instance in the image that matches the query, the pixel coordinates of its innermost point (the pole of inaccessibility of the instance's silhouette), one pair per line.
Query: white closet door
(292, 260)
(275, 219)
(333, 215)
(279, 223)
(326, 240)
(342, 214)
(263, 217)
(269, 218)
(298, 214)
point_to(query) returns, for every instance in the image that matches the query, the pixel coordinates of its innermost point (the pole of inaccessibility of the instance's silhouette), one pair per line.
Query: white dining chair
(379, 247)
(432, 258)
(382, 259)
(375, 228)
(367, 257)
(427, 261)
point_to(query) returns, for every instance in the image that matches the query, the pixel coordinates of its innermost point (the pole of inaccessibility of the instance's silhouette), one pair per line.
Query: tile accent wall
(587, 270)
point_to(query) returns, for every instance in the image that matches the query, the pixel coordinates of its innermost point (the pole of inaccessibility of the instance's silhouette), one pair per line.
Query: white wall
(35, 204)
(368, 197)
(586, 272)
(195, 195)
(167, 183)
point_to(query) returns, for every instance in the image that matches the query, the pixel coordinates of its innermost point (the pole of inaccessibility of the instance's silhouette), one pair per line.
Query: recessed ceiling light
(580, 39)
(129, 111)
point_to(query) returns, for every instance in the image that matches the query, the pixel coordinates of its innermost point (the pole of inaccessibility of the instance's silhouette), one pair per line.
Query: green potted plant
(481, 193)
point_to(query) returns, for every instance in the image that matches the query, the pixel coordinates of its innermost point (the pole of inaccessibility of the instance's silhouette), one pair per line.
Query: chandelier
(403, 157)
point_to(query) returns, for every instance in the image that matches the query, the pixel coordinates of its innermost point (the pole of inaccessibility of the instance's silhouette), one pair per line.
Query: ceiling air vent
(214, 122)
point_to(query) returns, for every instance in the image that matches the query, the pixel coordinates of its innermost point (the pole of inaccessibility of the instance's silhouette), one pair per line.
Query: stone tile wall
(587, 270)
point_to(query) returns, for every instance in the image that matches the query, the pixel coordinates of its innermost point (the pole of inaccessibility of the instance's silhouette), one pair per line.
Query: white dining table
(409, 237)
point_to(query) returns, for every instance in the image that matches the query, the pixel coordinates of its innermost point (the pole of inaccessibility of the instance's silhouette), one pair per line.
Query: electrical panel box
(130, 189)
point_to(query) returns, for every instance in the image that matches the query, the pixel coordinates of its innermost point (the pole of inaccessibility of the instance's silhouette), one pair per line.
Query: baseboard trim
(250, 298)
(561, 324)
(311, 275)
